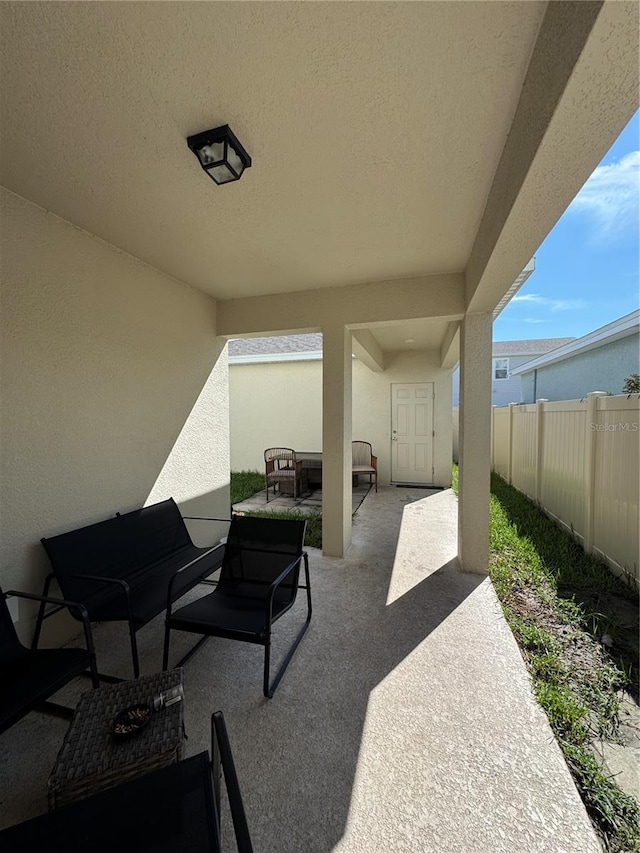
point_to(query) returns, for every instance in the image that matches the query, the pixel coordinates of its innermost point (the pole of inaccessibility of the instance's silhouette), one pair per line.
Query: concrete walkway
(404, 724)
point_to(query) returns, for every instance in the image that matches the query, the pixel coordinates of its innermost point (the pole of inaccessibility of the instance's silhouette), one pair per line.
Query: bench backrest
(119, 547)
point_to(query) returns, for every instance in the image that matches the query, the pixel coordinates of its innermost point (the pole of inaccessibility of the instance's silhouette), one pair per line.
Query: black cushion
(231, 616)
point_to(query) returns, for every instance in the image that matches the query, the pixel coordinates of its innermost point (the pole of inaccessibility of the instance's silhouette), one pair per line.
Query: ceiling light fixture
(220, 154)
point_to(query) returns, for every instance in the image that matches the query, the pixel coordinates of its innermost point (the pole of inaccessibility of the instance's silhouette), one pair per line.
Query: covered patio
(405, 722)
(408, 161)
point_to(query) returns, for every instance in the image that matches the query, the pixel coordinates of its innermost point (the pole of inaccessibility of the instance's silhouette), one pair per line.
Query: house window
(501, 368)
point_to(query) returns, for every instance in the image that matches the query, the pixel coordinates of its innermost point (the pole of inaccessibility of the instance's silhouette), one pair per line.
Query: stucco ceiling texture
(375, 130)
(411, 334)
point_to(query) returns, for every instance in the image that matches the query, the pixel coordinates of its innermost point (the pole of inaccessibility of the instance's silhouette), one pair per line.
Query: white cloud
(611, 196)
(533, 320)
(550, 304)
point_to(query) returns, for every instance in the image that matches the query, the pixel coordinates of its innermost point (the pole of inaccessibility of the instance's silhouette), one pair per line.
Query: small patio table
(91, 759)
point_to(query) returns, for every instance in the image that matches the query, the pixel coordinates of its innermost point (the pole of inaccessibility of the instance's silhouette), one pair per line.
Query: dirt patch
(618, 628)
(586, 660)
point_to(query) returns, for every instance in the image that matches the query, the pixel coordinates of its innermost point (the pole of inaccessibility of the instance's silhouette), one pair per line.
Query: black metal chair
(175, 809)
(258, 583)
(29, 676)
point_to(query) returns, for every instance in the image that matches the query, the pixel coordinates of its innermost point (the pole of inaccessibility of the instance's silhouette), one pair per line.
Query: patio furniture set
(130, 568)
(293, 472)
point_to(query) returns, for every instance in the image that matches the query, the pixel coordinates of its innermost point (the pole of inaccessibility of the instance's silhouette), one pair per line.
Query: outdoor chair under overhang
(28, 677)
(363, 461)
(172, 808)
(259, 581)
(282, 467)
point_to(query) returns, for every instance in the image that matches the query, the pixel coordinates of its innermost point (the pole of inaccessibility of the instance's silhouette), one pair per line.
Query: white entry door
(412, 433)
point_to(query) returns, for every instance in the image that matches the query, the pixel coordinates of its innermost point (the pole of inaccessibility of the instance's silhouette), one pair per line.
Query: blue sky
(587, 271)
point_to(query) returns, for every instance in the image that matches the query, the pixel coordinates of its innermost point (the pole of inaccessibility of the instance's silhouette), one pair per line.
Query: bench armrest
(100, 579)
(179, 571)
(62, 602)
(124, 587)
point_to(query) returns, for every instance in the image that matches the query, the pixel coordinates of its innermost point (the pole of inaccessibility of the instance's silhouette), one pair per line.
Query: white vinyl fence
(579, 459)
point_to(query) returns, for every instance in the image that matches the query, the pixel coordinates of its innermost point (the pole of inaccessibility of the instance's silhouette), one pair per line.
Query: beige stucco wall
(275, 404)
(372, 407)
(113, 389)
(280, 404)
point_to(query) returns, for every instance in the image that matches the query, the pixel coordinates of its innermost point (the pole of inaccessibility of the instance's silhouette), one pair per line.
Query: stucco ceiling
(375, 130)
(411, 335)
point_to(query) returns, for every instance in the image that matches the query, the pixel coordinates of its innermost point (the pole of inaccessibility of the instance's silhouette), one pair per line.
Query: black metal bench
(120, 569)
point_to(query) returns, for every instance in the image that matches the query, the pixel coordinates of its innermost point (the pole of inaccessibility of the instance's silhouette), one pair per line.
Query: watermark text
(619, 427)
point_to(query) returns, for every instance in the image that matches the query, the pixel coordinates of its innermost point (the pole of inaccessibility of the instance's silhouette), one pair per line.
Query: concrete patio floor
(404, 723)
(308, 502)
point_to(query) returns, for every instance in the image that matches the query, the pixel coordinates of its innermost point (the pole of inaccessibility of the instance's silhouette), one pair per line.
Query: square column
(475, 442)
(336, 440)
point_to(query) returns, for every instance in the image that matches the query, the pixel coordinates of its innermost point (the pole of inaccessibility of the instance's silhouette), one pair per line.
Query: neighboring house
(599, 361)
(507, 356)
(275, 396)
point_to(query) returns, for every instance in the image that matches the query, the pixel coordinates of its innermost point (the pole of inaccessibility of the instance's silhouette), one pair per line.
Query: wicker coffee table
(91, 760)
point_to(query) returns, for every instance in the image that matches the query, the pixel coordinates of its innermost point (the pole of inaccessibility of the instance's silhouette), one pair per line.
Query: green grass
(313, 533)
(553, 596)
(244, 484)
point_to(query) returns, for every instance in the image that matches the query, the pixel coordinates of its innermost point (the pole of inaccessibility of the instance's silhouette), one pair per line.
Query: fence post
(590, 465)
(510, 455)
(493, 438)
(539, 448)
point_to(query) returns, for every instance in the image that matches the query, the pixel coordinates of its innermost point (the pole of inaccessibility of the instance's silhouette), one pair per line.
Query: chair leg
(95, 678)
(56, 709)
(188, 655)
(270, 689)
(165, 653)
(41, 609)
(267, 663)
(134, 650)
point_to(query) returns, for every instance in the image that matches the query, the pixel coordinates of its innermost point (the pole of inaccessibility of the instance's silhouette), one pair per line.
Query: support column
(336, 440)
(475, 442)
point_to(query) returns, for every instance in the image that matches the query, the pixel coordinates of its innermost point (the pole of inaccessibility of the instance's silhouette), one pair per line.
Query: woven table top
(89, 747)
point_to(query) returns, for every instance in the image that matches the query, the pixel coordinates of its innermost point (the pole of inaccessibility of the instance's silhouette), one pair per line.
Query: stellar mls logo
(619, 427)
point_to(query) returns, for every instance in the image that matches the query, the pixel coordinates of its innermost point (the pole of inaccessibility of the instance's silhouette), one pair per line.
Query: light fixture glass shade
(221, 173)
(234, 160)
(220, 154)
(210, 154)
